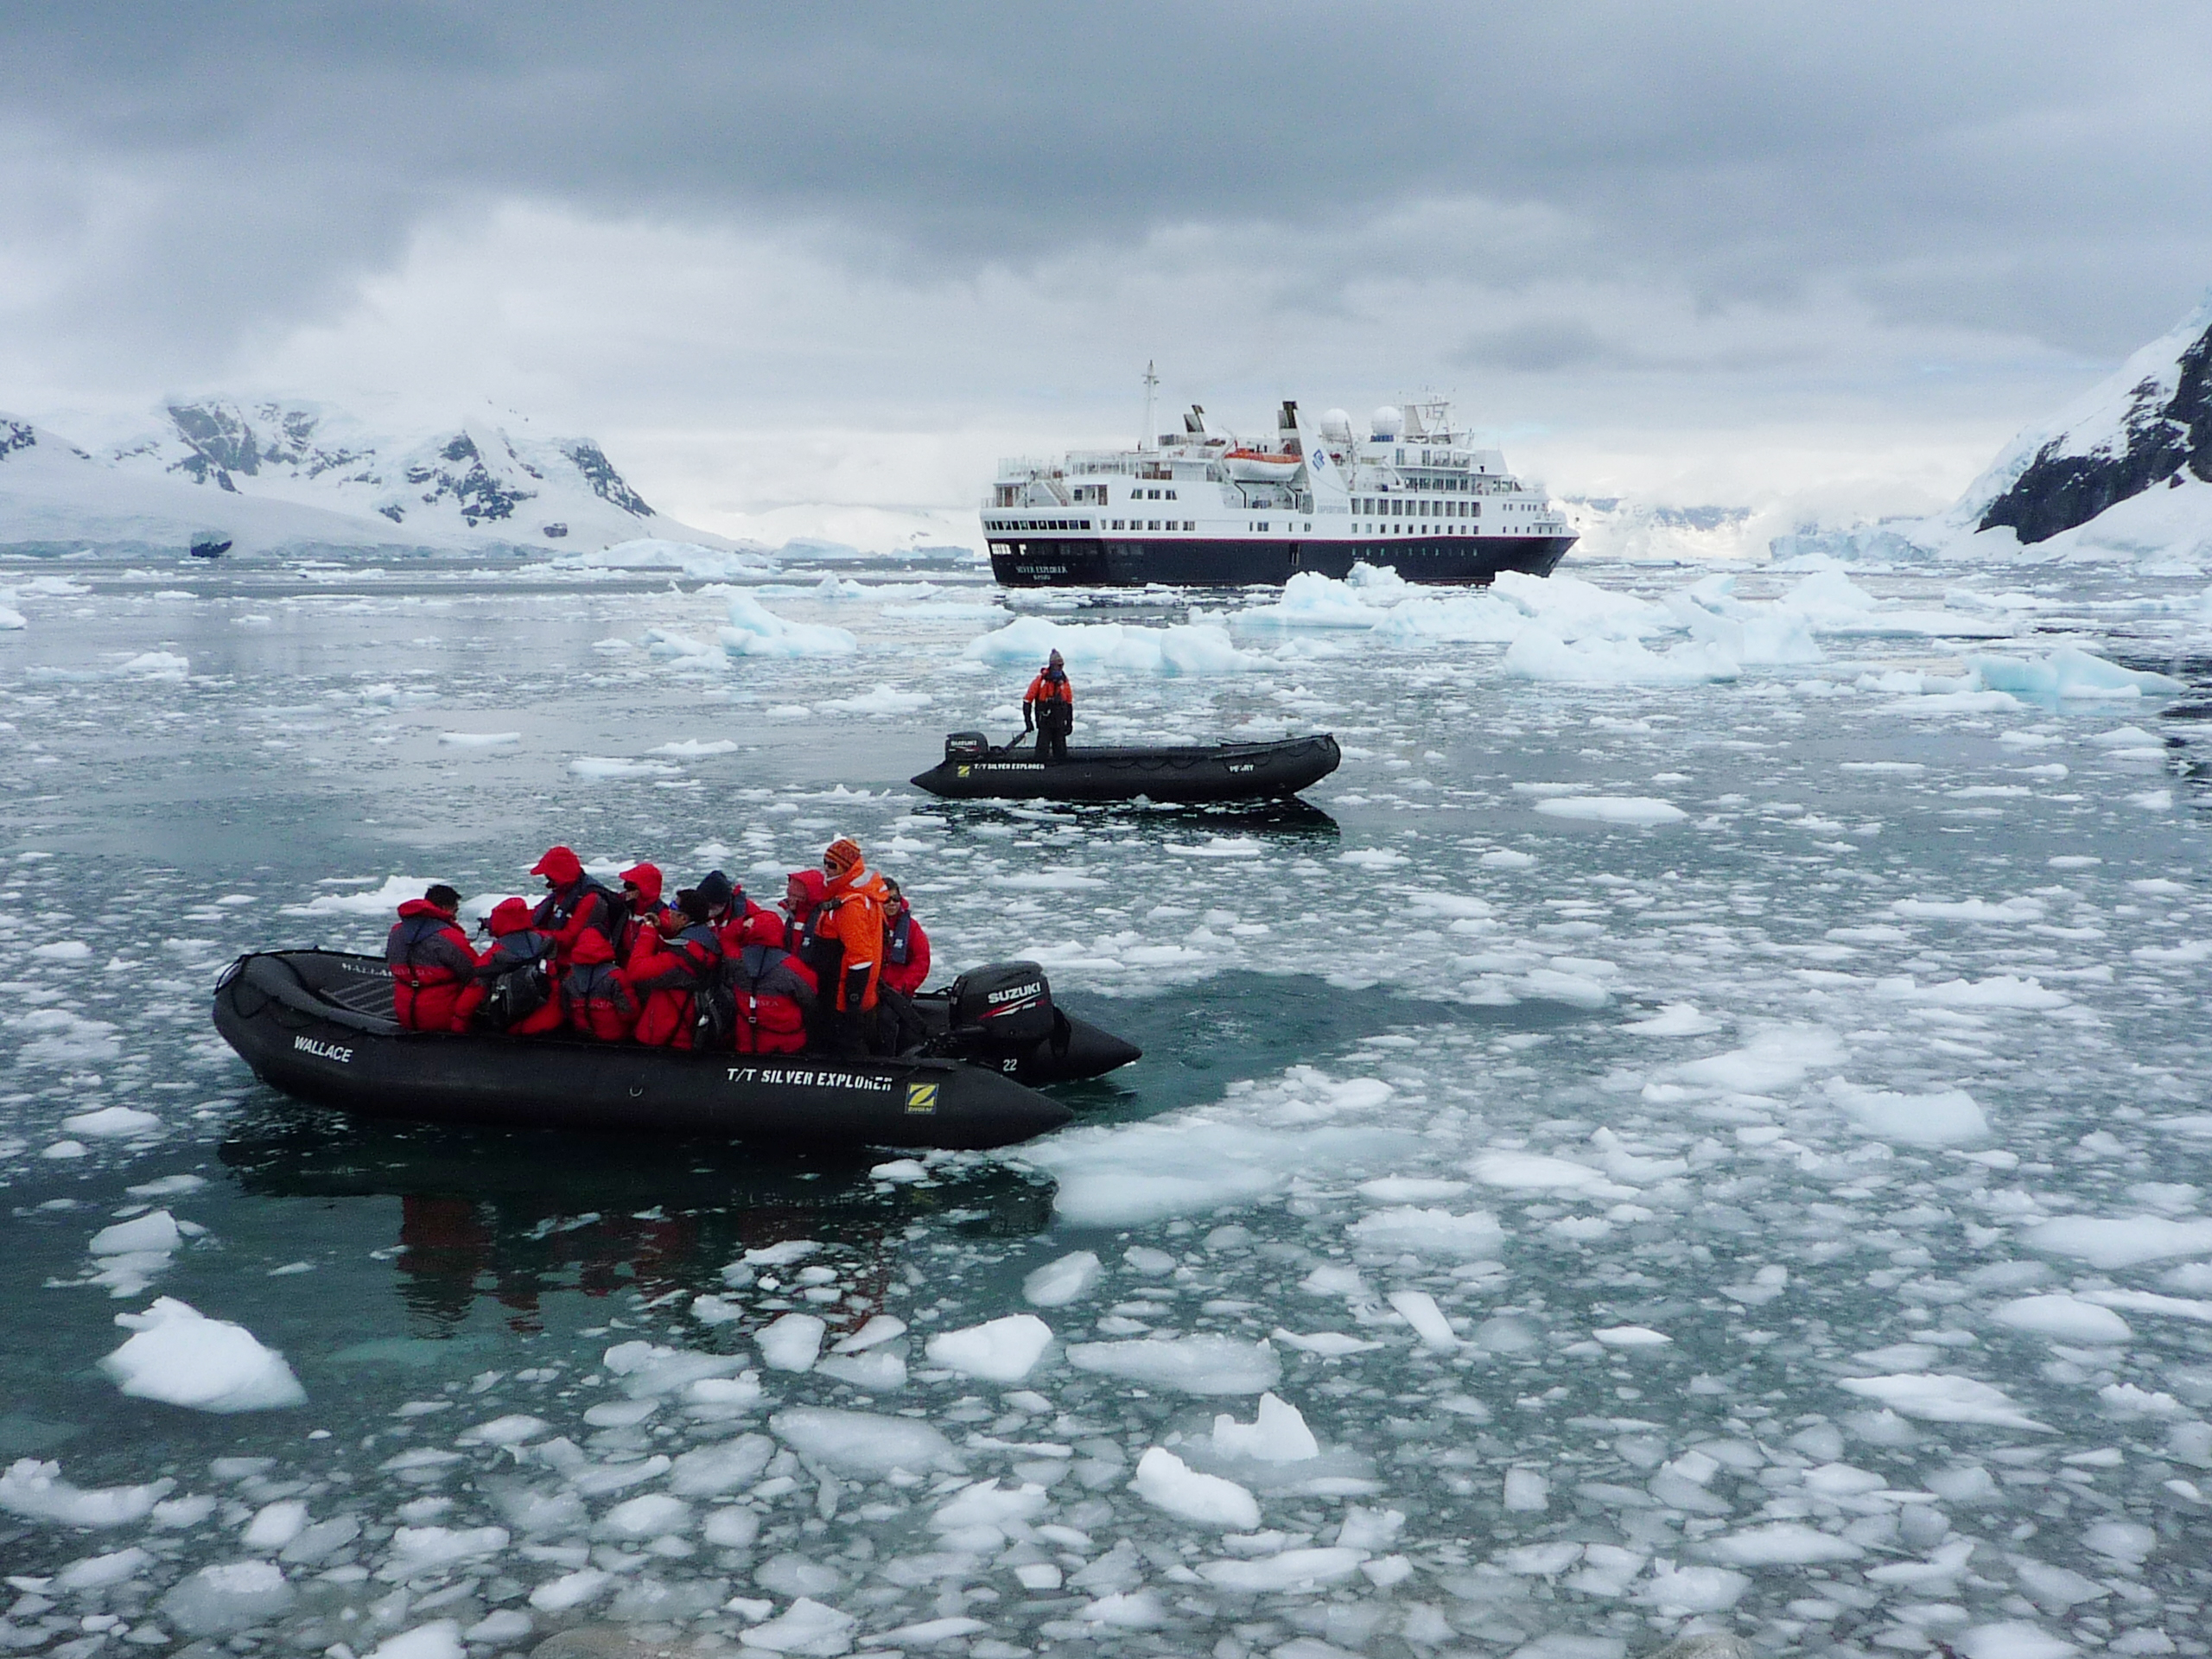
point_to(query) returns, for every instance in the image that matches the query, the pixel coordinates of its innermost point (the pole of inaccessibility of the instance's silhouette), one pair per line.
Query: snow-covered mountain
(274, 474)
(2148, 426)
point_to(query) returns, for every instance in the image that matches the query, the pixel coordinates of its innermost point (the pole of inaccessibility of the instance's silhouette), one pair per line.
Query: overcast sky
(793, 254)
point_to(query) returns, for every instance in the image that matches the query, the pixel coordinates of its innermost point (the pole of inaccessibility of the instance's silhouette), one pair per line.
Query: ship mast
(1151, 384)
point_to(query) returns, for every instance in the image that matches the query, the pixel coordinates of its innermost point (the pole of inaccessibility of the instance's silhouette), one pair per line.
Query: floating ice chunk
(230, 1597)
(2106, 1242)
(1773, 1059)
(1277, 1435)
(1419, 1309)
(605, 766)
(1531, 1171)
(1537, 653)
(863, 1442)
(478, 739)
(274, 1525)
(2122, 1540)
(1330, 1344)
(1067, 1280)
(1527, 1492)
(111, 1121)
(36, 1491)
(1674, 1019)
(97, 1572)
(648, 1369)
(987, 1504)
(2000, 991)
(63, 950)
(1505, 858)
(755, 631)
(1632, 1335)
(1472, 1237)
(781, 1254)
(2128, 737)
(153, 666)
(416, 1550)
(375, 901)
(1409, 1189)
(439, 1639)
(181, 1357)
(1936, 1397)
(1782, 1544)
(1191, 649)
(2012, 1639)
(1946, 1118)
(806, 1628)
(1942, 1565)
(659, 553)
(792, 1342)
(880, 1328)
(1637, 810)
(1202, 1365)
(1674, 1591)
(693, 747)
(709, 1471)
(1288, 1570)
(2068, 672)
(653, 1514)
(156, 1232)
(2064, 1318)
(1165, 1481)
(1000, 1350)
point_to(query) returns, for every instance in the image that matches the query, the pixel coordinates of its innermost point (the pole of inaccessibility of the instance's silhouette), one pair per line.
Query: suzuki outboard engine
(966, 746)
(1002, 1011)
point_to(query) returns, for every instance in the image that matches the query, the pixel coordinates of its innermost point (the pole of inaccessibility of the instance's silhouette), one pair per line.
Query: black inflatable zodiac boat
(318, 1026)
(973, 769)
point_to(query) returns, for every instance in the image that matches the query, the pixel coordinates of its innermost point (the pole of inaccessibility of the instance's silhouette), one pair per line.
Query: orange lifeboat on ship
(1257, 466)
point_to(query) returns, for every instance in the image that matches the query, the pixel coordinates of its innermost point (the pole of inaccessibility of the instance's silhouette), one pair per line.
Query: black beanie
(442, 896)
(714, 887)
(693, 904)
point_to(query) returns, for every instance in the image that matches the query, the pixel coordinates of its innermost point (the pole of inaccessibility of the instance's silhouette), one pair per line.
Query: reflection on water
(515, 1217)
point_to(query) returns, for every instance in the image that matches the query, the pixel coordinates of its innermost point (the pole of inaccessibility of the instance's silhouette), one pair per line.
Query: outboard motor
(1002, 1011)
(966, 746)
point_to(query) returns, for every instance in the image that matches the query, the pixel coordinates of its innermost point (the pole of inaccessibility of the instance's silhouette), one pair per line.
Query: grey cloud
(260, 157)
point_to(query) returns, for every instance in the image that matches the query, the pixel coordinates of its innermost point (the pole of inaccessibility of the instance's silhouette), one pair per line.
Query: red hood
(592, 947)
(762, 927)
(561, 865)
(648, 880)
(816, 886)
(510, 916)
(415, 907)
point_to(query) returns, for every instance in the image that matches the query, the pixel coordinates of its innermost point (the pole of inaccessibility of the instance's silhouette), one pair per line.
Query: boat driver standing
(1049, 707)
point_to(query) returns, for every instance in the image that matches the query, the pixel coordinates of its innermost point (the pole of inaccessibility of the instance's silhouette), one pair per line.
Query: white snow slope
(271, 474)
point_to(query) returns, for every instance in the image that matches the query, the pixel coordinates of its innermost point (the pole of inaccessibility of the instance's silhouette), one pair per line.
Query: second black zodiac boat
(973, 769)
(318, 1026)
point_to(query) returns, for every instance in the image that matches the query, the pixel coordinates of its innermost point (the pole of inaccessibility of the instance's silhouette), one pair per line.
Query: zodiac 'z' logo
(921, 1097)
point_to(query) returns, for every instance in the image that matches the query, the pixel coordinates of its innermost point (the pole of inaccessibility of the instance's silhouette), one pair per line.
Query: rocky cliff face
(2149, 427)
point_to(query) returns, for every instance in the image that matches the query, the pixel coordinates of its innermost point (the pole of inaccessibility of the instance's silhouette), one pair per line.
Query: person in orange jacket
(596, 997)
(1048, 706)
(854, 923)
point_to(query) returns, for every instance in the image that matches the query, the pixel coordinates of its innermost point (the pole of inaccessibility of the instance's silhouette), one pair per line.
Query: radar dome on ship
(1337, 425)
(1387, 421)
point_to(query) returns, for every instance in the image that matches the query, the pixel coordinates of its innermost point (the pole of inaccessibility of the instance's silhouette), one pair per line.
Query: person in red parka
(643, 908)
(774, 993)
(906, 947)
(596, 997)
(431, 960)
(727, 908)
(513, 973)
(574, 904)
(688, 961)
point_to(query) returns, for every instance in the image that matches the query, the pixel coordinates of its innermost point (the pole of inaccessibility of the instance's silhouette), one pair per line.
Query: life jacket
(899, 940)
(410, 948)
(1050, 686)
(768, 1018)
(596, 995)
(582, 906)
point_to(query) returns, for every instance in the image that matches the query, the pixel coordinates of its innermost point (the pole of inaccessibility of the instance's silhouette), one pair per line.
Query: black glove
(855, 989)
(1028, 716)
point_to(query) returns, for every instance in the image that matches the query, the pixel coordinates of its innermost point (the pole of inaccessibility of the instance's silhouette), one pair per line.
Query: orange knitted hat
(842, 855)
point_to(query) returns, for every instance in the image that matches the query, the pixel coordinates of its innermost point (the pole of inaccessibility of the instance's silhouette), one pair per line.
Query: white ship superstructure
(1202, 507)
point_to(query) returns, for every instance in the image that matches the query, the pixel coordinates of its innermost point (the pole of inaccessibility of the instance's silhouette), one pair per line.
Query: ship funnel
(1195, 423)
(1286, 417)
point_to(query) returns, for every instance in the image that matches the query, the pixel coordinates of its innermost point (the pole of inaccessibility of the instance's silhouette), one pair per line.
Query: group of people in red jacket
(830, 969)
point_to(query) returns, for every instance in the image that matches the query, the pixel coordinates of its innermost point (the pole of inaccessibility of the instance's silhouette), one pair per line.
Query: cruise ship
(1200, 508)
